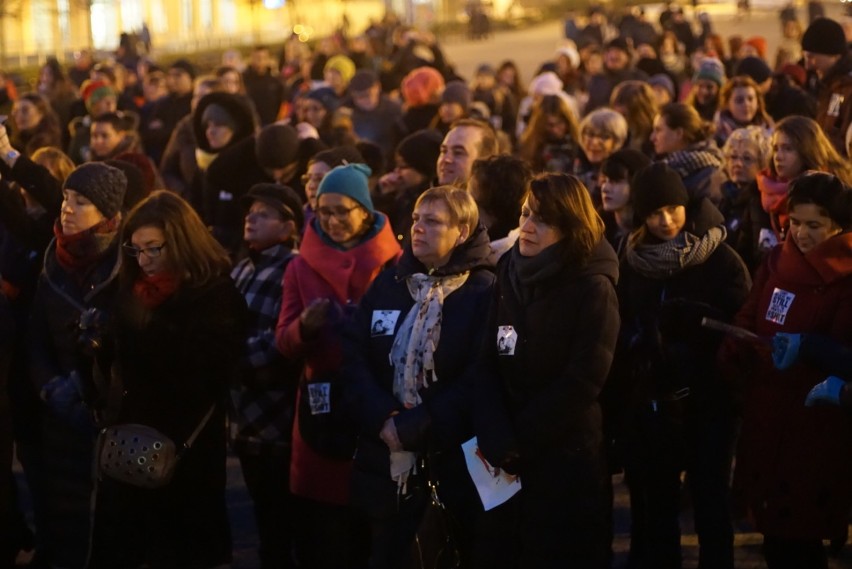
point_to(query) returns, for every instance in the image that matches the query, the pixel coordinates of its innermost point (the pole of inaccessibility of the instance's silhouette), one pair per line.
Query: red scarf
(773, 199)
(79, 251)
(154, 290)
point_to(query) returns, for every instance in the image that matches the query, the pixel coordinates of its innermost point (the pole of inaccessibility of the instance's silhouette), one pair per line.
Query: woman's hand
(389, 435)
(314, 316)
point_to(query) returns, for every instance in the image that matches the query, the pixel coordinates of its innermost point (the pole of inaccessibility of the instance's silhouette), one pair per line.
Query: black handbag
(434, 545)
(323, 422)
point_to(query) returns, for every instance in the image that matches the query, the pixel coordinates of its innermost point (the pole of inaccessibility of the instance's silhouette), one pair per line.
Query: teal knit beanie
(350, 180)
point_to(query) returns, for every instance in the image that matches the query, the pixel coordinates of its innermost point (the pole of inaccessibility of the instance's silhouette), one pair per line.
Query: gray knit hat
(102, 185)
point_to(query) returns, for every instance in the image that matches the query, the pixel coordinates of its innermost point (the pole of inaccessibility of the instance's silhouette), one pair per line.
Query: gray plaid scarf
(662, 260)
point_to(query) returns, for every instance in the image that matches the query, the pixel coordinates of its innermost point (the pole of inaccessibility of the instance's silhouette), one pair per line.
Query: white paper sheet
(494, 486)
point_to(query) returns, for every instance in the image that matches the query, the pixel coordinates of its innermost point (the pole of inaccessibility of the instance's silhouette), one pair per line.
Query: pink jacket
(323, 271)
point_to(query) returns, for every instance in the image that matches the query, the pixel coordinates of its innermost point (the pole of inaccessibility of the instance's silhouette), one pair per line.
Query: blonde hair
(57, 162)
(461, 205)
(753, 136)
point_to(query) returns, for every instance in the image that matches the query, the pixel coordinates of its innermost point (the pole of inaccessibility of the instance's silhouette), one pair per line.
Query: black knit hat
(420, 151)
(755, 68)
(136, 190)
(101, 184)
(277, 146)
(824, 36)
(654, 187)
(457, 92)
(280, 198)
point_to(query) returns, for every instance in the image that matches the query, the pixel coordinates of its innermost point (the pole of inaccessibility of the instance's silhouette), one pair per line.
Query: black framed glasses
(339, 213)
(150, 252)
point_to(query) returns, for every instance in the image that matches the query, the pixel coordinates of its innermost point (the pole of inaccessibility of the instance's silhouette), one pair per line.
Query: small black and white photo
(507, 338)
(384, 322)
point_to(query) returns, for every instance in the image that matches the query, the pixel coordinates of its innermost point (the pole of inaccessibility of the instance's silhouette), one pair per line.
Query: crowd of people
(345, 264)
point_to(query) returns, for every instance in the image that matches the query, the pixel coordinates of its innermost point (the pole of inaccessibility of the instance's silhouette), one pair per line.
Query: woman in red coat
(344, 249)
(793, 463)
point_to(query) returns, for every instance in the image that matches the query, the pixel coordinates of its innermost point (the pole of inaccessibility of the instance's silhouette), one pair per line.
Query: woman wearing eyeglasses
(179, 334)
(68, 326)
(602, 132)
(746, 153)
(345, 247)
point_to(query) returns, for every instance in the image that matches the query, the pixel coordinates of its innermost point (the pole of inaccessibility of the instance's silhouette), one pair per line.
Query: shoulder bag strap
(198, 429)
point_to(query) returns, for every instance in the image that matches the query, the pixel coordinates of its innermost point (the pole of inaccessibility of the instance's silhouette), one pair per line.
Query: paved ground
(532, 46)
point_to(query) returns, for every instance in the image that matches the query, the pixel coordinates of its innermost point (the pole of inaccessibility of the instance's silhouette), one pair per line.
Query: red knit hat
(758, 43)
(422, 86)
(93, 91)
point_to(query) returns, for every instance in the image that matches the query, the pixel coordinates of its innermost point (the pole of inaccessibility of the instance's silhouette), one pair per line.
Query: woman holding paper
(548, 346)
(793, 465)
(410, 350)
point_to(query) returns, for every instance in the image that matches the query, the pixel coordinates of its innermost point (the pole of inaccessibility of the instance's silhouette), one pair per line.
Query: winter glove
(64, 396)
(826, 393)
(785, 349)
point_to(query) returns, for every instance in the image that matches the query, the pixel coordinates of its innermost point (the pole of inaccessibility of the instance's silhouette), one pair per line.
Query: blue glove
(826, 393)
(785, 349)
(64, 396)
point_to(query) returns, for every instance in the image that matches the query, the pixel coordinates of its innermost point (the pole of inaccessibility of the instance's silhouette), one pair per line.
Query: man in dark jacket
(375, 117)
(263, 88)
(168, 111)
(617, 69)
(827, 54)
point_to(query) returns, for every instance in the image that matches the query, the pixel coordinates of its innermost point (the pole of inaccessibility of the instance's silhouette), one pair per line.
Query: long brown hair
(683, 116)
(564, 203)
(745, 82)
(640, 105)
(534, 137)
(192, 253)
(814, 148)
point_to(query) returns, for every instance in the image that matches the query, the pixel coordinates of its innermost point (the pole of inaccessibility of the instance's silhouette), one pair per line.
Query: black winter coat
(442, 422)
(55, 349)
(173, 363)
(540, 398)
(667, 347)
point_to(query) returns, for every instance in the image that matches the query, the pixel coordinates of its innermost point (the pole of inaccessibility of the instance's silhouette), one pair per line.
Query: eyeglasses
(745, 159)
(150, 252)
(339, 213)
(603, 136)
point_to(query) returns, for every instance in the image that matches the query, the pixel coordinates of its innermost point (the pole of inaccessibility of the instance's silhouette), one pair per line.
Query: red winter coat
(794, 466)
(323, 271)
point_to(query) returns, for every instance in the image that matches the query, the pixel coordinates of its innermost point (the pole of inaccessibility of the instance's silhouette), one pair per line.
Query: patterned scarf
(154, 290)
(662, 260)
(698, 156)
(76, 253)
(414, 348)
